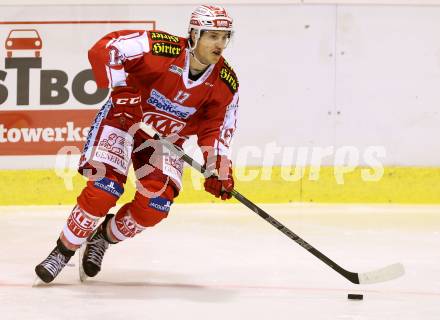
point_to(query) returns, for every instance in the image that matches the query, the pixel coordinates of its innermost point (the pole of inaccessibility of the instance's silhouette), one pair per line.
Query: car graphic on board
(23, 39)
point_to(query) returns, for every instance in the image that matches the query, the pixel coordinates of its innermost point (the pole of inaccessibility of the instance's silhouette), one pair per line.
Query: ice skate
(92, 253)
(50, 267)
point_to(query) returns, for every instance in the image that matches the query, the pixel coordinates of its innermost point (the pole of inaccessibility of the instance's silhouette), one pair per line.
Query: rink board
(397, 185)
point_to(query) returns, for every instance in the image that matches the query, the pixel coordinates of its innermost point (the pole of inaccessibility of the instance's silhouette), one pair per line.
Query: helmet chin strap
(195, 58)
(192, 48)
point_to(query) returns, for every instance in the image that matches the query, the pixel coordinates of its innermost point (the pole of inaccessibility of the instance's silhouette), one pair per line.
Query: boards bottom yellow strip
(412, 185)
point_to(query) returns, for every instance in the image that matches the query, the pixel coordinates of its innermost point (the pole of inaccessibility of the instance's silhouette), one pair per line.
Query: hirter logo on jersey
(162, 123)
(228, 76)
(163, 36)
(166, 49)
(160, 102)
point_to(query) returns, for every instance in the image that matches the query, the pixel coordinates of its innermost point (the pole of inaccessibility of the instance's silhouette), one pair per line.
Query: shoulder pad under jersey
(228, 76)
(165, 44)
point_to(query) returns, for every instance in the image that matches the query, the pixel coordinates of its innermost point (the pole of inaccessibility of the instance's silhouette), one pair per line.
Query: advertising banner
(48, 95)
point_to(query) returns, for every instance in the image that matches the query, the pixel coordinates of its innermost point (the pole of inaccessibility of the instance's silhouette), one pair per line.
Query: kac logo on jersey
(162, 103)
(163, 123)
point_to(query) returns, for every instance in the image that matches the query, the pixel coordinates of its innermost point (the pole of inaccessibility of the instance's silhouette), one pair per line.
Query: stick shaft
(351, 276)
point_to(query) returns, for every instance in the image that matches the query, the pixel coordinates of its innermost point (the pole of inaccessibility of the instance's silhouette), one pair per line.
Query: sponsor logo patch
(109, 186)
(93, 131)
(127, 226)
(220, 23)
(163, 36)
(114, 148)
(162, 103)
(80, 224)
(160, 204)
(166, 49)
(175, 69)
(173, 167)
(163, 123)
(228, 76)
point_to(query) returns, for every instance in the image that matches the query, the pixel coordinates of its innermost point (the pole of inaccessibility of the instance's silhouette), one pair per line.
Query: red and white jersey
(157, 64)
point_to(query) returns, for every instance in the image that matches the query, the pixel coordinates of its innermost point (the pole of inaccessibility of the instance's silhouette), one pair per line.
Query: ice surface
(224, 262)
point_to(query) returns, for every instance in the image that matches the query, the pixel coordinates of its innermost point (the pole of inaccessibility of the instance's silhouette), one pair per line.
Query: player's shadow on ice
(158, 286)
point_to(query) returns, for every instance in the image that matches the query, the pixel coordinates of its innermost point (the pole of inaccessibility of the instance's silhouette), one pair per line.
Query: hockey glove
(221, 185)
(127, 108)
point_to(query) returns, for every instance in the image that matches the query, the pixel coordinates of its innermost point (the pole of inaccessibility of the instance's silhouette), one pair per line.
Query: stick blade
(381, 275)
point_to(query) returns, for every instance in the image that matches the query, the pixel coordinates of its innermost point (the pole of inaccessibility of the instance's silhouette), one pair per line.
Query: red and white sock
(123, 226)
(79, 227)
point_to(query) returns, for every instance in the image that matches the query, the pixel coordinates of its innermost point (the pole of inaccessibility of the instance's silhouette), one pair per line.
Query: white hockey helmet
(206, 17)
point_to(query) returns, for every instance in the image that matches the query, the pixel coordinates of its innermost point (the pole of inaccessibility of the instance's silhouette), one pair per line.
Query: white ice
(224, 262)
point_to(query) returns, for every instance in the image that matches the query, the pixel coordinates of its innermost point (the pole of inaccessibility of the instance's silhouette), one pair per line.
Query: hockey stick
(380, 275)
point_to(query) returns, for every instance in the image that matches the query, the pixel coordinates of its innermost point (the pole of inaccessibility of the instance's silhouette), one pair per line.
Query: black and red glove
(127, 108)
(221, 185)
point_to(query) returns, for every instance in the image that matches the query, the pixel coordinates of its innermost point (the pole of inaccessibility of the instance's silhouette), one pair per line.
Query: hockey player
(181, 87)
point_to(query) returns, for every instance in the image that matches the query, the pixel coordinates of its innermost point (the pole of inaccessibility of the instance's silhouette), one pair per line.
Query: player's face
(211, 45)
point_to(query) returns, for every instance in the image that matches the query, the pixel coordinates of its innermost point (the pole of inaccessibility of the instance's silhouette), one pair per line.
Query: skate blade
(38, 282)
(82, 275)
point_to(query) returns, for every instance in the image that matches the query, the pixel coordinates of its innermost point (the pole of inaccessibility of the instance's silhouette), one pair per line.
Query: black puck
(352, 296)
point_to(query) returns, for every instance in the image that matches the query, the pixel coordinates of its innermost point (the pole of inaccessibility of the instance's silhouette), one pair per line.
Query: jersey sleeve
(116, 54)
(217, 128)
